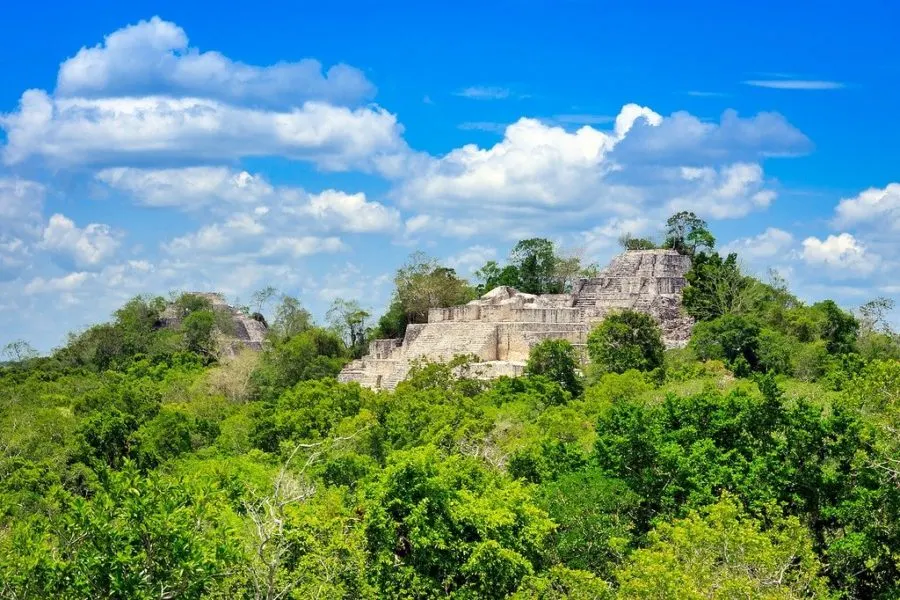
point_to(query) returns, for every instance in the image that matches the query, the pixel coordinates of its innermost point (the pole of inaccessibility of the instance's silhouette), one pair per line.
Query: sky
(147, 148)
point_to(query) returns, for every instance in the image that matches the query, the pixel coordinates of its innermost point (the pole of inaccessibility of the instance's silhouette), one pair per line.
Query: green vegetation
(626, 340)
(759, 462)
(535, 266)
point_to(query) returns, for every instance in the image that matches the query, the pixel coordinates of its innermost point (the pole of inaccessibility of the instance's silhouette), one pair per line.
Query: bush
(558, 361)
(626, 340)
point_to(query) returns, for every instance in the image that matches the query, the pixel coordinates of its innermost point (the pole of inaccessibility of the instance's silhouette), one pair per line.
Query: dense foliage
(535, 266)
(626, 340)
(760, 462)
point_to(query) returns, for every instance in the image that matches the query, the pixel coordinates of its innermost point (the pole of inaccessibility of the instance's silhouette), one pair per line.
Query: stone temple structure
(243, 331)
(501, 327)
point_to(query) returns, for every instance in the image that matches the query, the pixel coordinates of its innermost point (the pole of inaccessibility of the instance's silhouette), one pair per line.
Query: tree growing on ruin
(423, 283)
(688, 234)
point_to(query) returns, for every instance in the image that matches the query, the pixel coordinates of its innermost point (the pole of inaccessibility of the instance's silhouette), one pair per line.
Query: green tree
(716, 287)
(731, 338)
(629, 242)
(423, 283)
(199, 327)
(839, 327)
(535, 261)
(492, 275)
(558, 361)
(290, 318)
(311, 354)
(723, 554)
(688, 234)
(439, 526)
(626, 340)
(139, 537)
(595, 520)
(348, 319)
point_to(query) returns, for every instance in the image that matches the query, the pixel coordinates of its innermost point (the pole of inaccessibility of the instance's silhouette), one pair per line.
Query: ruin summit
(501, 327)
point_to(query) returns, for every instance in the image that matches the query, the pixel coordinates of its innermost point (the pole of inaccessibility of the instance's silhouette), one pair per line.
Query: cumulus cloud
(189, 187)
(875, 207)
(770, 244)
(222, 189)
(21, 203)
(298, 247)
(66, 283)
(544, 177)
(842, 255)
(155, 57)
(729, 192)
(350, 212)
(86, 247)
(218, 237)
(126, 130)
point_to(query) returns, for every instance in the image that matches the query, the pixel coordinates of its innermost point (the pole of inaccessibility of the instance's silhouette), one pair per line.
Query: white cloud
(218, 237)
(154, 56)
(66, 283)
(15, 254)
(730, 192)
(795, 84)
(876, 207)
(541, 177)
(350, 212)
(222, 188)
(121, 131)
(601, 238)
(87, 247)
(481, 92)
(21, 202)
(841, 255)
(299, 247)
(190, 187)
(773, 243)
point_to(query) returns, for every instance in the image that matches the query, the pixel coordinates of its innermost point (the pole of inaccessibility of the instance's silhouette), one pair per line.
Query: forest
(761, 461)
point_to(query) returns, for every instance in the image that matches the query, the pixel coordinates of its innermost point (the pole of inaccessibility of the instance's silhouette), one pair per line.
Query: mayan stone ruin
(242, 331)
(501, 327)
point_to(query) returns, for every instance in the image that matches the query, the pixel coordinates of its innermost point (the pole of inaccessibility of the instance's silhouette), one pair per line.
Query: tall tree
(423, 283)
(535, 260)
(688, 233)
(716, 287)
(348, 318)
(290, 317)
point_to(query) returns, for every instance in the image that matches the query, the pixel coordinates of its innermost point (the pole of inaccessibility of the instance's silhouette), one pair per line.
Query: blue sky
(146, 148)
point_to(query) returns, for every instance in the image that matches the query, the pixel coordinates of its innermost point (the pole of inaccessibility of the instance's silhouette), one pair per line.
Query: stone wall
(243, 331)
(501, 327)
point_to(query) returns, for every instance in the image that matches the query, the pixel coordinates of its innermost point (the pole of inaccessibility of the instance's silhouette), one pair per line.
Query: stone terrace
(501, 327)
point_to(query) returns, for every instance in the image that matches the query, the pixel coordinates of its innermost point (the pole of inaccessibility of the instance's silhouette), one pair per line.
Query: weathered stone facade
(501, 327)
(243, 331)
